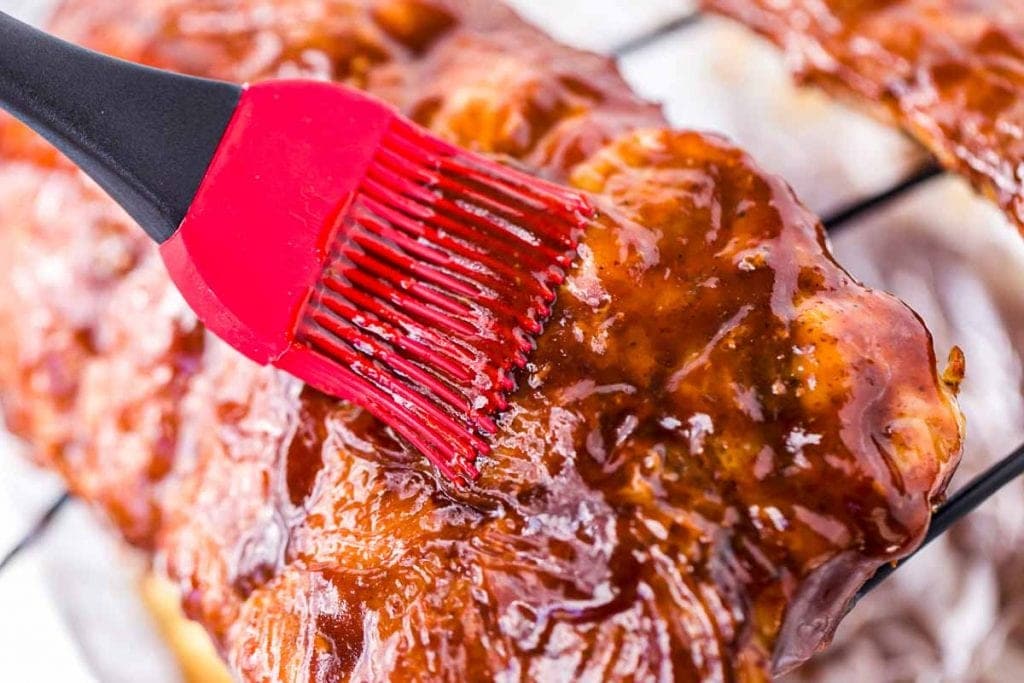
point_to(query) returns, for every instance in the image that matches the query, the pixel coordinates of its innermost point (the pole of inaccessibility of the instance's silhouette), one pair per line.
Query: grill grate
(962, 502)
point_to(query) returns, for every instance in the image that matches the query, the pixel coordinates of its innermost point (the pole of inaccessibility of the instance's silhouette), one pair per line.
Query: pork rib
(720, 435)
(949, 72)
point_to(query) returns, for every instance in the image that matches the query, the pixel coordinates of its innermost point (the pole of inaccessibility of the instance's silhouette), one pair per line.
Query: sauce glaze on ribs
(720, 436)
(950, 72)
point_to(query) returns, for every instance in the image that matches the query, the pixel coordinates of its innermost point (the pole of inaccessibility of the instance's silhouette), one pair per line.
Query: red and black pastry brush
(314, 228)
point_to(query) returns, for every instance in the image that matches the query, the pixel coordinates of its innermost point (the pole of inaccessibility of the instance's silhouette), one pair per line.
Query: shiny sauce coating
(950, 72)
(719, 436)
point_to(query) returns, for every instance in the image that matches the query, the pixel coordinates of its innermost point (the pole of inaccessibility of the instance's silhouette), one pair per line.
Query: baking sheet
(69, 609)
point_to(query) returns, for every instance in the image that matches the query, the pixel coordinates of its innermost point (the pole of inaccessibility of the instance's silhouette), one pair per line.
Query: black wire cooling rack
(958, 505)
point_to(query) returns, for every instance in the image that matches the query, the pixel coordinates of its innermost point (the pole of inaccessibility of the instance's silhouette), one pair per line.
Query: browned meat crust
(720, 436)
(950, 72)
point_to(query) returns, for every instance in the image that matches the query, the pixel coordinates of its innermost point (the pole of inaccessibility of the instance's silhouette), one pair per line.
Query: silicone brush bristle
(441, 273)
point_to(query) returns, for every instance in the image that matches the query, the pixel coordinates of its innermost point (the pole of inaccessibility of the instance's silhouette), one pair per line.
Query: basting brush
(313, 228)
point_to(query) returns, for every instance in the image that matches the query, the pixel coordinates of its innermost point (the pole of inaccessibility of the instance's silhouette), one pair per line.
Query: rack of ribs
(949, 72)
(720, 436)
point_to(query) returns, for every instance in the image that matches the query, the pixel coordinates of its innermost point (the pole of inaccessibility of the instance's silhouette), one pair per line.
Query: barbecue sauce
(719, 435)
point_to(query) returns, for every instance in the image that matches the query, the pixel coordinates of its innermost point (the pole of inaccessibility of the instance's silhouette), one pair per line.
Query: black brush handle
(146, 136)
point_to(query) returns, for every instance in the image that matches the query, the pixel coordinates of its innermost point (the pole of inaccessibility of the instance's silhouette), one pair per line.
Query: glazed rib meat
(720, 436)
(950, 72)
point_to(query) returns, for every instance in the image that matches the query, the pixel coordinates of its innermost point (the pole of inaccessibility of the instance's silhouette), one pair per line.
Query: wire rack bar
(655, 34)
(847, 215)
(35, 531)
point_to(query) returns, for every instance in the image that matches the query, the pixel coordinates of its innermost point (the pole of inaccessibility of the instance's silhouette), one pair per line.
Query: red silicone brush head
(342, 243)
